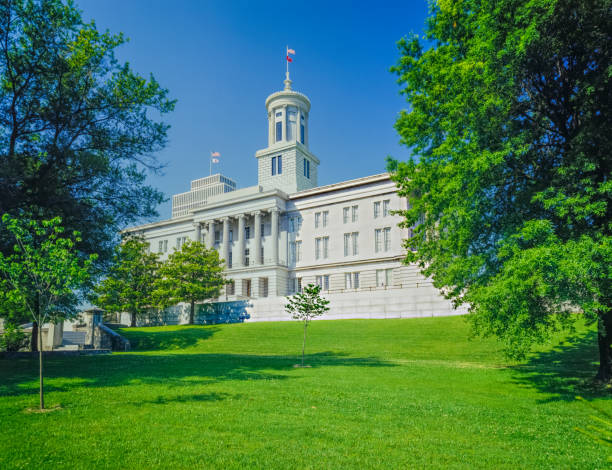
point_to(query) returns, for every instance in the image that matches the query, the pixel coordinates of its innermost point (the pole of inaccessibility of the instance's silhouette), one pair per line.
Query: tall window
(246, 257)
(279, 126)
(317, 219)
(355, 213)
(377, 240)
(161, 247)
(387, 238)
(165, 246)
(377, 209)
(322, 282)
(351, 280)
(292, 252)
(247, 233)
(298, 250)
(295, 224)
(384, 277)
(298, 284)
(231, 288)
(277, 165)
(307, 168)
(347, 244)
(386, 204)
(321, 247)
(350, 244)
(229, 261)
(345, 215)
(325, 218)
(355, 239)
(291, 123)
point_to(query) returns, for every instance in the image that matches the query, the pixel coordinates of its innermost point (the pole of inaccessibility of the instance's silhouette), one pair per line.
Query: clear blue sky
(221, 59)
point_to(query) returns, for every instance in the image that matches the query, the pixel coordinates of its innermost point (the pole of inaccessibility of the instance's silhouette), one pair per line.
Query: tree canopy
(193, 273)
(78, 128)
(44, 273)
(130, 281)
(509, 124)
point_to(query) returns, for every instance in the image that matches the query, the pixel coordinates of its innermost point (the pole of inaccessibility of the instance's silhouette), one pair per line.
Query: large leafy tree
(78, 129)
(43, 274)
(509, 119)
(194, 273)
(129, 284)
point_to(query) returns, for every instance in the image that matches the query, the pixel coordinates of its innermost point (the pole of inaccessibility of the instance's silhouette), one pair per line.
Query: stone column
(274, 235)
(285, 123)
(211, 234)
(271, 119)
(257, 254)
(239, 257)
(284, 242)
(198, 232)
(298, 125)
(225, 242)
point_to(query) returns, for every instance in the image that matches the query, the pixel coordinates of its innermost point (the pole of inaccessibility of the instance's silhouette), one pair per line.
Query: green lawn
(380, 394)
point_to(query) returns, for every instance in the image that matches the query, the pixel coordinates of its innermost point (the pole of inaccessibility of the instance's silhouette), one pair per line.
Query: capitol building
(287, 232)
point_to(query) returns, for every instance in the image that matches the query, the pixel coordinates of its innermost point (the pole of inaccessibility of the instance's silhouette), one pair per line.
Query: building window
(180, 241)
(323, 282)
(229, 261)
(377, 240)
(387, 238)
(317, 219)
(263, 287)
(262, 254)
(345, 215)
(231, 288)
(351, 280)
(325, 218)
(355, 213)
(295, 224)
(246, 287)
(161, 247)
(298, 284)
(277, 165)
(231, 236)
(350, 244)
(307, 168)
(247, 232)
(279, 131)
(386, 204)
(321, 247)
(384, 277)
(246, 257)
(217, 236)
(291, 123)
(302, 133)
(377, 209)
(295, 252)
(165, 246)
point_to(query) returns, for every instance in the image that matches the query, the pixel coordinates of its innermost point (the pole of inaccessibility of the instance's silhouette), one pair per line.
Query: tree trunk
(604, 341)
(40, 370)
(132, 319)
(304, 343)
(34, 337)
(192, 313)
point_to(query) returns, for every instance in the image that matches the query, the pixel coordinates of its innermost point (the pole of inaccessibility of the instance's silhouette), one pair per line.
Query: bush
(13, 338)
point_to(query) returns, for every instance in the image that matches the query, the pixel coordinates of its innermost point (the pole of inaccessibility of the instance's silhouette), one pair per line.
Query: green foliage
(78, 128)
(511, 202)
(44, 273)
(130, 281)
(192, 274)
(306, 306)
(12, 338)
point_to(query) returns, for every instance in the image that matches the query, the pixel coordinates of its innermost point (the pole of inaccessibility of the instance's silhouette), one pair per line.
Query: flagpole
(287, 60)
(210, 162)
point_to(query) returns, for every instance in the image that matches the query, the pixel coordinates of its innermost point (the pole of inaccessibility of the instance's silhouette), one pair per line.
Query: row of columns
(238, 258)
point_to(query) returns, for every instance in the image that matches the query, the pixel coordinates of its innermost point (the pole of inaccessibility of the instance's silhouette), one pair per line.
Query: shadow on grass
(164, 400)
(565, 371)
(155, 339)
(63, 374)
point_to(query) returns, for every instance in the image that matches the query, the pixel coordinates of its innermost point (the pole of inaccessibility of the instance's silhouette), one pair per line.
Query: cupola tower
(286, 163)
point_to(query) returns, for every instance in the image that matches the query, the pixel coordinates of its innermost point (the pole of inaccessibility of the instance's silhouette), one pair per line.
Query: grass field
(380, 394)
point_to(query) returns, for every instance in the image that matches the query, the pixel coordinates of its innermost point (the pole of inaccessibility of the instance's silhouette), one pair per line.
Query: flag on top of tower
(292, 52)
(214, 157)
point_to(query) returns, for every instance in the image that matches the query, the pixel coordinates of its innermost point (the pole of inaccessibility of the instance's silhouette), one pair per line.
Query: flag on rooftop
(215, 154)
(215, 160)
(292, 52)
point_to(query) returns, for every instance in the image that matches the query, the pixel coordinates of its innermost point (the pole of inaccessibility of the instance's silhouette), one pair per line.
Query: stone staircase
(72, 341)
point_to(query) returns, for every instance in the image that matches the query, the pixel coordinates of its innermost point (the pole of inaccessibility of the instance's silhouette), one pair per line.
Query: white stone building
(287, 231)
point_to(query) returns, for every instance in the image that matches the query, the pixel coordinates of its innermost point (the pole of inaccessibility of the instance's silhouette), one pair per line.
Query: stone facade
(287, 232)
